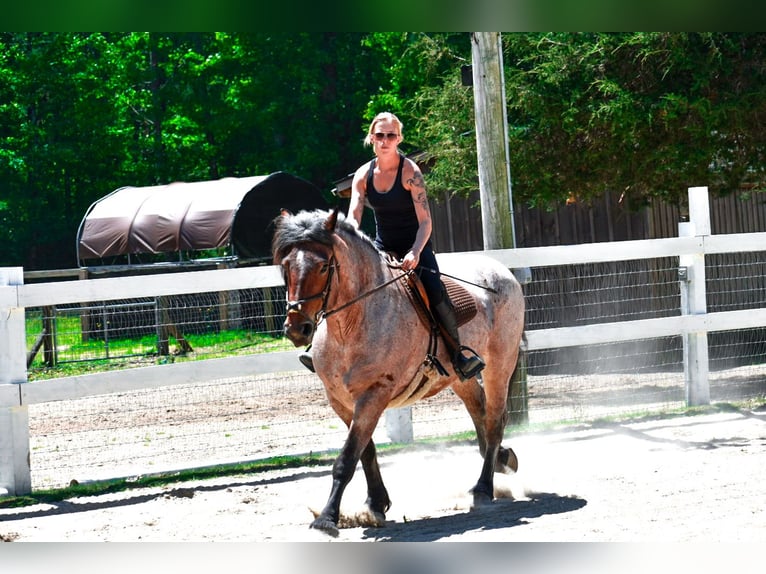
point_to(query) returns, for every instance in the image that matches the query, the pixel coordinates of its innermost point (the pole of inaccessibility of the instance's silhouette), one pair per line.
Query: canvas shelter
(181, 216)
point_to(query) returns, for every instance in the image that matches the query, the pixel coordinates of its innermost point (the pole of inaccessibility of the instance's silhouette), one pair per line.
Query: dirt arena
(695, 478)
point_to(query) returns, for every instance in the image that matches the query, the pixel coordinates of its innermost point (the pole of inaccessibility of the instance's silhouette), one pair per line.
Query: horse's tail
(517, 402)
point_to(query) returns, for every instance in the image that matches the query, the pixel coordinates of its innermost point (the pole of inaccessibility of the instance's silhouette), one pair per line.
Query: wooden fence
(457, 221)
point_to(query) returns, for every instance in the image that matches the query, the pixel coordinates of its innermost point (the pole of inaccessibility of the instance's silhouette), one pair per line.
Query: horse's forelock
(308, 227)
(304, 227)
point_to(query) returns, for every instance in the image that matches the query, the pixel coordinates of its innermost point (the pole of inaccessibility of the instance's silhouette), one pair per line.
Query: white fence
(16, 394)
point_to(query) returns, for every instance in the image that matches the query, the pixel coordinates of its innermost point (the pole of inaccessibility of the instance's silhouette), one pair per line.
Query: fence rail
(16, 394)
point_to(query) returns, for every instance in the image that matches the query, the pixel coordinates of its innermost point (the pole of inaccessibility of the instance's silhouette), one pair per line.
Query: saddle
(462, 300)
(431, 370)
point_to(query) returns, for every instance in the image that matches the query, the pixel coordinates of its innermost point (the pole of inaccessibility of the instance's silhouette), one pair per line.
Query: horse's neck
(360, 270)
(372, 306)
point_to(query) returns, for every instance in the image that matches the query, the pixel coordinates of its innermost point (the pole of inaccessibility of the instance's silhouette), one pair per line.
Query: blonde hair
(383, 117)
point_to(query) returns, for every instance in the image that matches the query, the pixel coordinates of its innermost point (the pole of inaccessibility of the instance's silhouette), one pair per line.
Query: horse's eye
(325, 267)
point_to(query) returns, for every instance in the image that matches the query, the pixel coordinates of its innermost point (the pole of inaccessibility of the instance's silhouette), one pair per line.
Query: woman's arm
(413, 182)
(358, 191)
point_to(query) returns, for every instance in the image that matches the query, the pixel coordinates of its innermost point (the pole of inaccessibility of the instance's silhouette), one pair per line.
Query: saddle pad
(463, 302)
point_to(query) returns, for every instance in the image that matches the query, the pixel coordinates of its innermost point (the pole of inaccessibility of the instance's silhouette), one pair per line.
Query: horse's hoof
(380, 505)
(481, 499)
(325, 525)
(377, 519)
(506, 462)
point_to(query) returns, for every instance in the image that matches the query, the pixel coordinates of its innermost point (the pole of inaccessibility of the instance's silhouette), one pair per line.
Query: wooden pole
(15, 472)
(495, 176)
(492, 141)
(694, 299)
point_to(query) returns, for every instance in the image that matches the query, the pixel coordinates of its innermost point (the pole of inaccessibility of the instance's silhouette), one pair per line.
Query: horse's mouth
(300, 334)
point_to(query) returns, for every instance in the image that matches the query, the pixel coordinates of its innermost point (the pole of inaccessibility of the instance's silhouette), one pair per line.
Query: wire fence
(136, 332)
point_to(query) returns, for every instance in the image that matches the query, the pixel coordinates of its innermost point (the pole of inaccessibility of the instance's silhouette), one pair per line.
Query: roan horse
(369, 345)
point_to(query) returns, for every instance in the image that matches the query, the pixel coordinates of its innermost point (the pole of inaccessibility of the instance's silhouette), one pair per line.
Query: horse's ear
(285, 212)
(329, 223)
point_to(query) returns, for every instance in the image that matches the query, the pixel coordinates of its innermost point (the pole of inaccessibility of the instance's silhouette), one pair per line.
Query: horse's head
(303, 247)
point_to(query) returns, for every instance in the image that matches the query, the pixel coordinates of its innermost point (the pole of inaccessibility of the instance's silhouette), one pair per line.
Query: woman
(393, 185)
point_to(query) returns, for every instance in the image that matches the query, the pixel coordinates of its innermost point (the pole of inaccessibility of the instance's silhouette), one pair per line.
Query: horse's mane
(309, 227)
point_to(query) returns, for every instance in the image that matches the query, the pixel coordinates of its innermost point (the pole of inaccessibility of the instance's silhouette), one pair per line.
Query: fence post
(15, 473)
(694, 299)
(399, 424)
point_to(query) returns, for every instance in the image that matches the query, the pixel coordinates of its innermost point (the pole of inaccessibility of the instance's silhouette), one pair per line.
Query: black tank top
(396, 222)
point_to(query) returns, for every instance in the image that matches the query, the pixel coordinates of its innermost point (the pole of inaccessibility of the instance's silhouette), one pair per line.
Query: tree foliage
(644, 114)
(84, 114)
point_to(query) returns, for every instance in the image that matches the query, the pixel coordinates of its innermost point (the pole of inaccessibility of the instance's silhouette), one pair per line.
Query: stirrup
(307, 361)
(467, 367)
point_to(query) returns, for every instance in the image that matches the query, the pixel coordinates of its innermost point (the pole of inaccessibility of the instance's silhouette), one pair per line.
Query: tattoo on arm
(418, 186)
(417, 180)
(421, 199)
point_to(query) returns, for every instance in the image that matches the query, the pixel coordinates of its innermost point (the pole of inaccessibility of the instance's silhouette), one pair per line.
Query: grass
(97, 488)
(100, 487)
(78, 357)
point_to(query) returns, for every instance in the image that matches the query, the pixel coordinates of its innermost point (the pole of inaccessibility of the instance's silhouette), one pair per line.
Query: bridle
(295, 306)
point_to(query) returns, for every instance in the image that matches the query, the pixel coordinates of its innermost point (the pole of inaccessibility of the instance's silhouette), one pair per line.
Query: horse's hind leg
(486, 405)
(472, 395)
(494, 455)
(506, 460)
(474, 399)
(497, 458)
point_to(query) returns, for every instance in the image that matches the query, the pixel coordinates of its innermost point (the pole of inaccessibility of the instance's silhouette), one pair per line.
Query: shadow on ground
(502, 513)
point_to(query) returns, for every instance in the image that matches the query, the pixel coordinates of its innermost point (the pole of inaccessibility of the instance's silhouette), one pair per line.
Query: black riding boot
(307, 361)
(466, 367)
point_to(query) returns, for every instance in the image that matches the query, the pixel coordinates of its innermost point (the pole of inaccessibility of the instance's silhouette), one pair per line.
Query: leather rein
(325, 293)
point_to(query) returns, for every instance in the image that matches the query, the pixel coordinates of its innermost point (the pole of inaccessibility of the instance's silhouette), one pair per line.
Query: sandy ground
(680, 479)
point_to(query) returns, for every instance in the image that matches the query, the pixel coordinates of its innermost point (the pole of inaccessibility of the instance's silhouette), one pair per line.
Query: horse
(346, 299)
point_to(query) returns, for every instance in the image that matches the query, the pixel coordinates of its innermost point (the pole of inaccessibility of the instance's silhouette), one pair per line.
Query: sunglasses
(380, 136)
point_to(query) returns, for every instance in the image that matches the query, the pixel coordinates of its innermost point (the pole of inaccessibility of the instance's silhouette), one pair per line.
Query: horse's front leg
(342, 472)
(377, 496)
(358, 444)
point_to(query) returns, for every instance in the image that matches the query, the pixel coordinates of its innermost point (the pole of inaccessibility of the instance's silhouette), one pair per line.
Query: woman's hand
(410, 260)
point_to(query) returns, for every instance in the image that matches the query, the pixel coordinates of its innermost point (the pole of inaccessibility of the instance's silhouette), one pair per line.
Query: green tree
(303, 106)
(645, 114)
(84, 114)
(56, 120)
(421, 72)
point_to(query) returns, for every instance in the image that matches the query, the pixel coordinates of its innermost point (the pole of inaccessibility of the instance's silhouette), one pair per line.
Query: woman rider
(393, 185)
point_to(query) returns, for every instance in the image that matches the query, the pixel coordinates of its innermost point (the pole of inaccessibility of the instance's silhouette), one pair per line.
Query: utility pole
(492, 141)
(495, 178)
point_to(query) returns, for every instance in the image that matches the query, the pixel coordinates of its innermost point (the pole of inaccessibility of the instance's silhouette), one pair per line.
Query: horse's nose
(299, 332)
